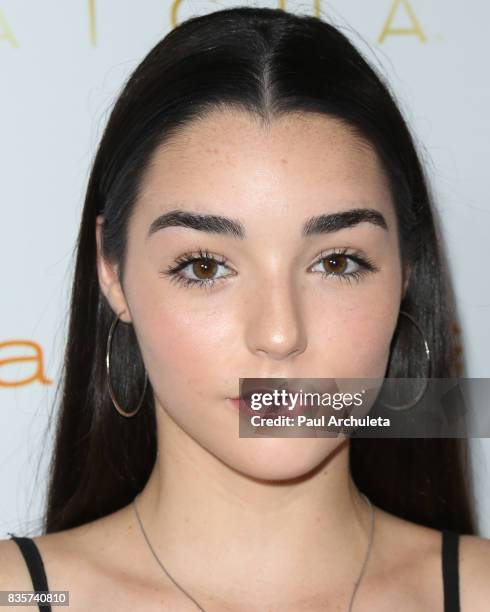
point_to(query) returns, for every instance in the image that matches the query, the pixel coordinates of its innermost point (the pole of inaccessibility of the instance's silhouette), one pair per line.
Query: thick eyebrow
(217, 224)
(325, 224)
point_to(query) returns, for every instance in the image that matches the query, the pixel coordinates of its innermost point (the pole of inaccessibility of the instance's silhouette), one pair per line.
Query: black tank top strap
(35, 565)
(450, 570)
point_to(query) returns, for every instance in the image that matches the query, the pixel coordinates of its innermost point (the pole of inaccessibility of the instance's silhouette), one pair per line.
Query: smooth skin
(254, 524)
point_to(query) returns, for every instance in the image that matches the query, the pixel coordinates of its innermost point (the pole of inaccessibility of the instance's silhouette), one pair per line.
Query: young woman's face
(277, 307)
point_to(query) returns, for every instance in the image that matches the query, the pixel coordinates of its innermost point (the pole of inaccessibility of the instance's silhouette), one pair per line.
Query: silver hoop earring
(428, 360)
(108, 368)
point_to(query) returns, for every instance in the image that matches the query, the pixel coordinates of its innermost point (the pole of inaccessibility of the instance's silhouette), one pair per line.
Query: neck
(304, 535)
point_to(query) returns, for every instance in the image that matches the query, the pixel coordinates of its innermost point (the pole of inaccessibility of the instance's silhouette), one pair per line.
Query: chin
(283, 458)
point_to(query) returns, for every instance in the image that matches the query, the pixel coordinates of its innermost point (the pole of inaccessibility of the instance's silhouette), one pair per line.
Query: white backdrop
(61, 67)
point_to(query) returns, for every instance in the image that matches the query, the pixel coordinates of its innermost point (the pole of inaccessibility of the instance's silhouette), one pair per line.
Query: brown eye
(201, 269)
(335, 264)
(204, 269)
(343, 266)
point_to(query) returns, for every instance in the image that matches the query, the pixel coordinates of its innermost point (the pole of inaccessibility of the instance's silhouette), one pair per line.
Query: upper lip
(264, 389)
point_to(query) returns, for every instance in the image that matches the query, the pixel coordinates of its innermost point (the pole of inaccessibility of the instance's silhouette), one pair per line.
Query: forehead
(299, 162)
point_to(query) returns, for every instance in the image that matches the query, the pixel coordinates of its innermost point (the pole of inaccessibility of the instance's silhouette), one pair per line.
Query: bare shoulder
(419, 551)
(93, 562)
(66, 557)
(59, 554)
(14, 574)
(474, 572)
(409, 569)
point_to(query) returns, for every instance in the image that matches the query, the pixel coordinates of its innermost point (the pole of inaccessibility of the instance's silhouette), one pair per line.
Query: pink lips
(244, 406)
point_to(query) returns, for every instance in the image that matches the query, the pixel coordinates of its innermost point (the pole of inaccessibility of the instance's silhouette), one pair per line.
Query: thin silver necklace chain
(356, 585)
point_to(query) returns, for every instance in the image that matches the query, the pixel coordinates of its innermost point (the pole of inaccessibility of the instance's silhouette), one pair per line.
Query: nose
(275, 324)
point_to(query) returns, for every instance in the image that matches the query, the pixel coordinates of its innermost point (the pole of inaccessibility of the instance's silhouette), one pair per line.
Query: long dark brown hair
(268, 62)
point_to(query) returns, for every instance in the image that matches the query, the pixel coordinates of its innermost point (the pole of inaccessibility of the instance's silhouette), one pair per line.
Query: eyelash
(173, 272)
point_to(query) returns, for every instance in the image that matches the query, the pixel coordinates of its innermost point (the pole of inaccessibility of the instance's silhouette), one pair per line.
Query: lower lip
(243, 406)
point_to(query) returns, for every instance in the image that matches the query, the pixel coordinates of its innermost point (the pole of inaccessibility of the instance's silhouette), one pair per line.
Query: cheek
(181, 347)
(366, 343)
(357, 327)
